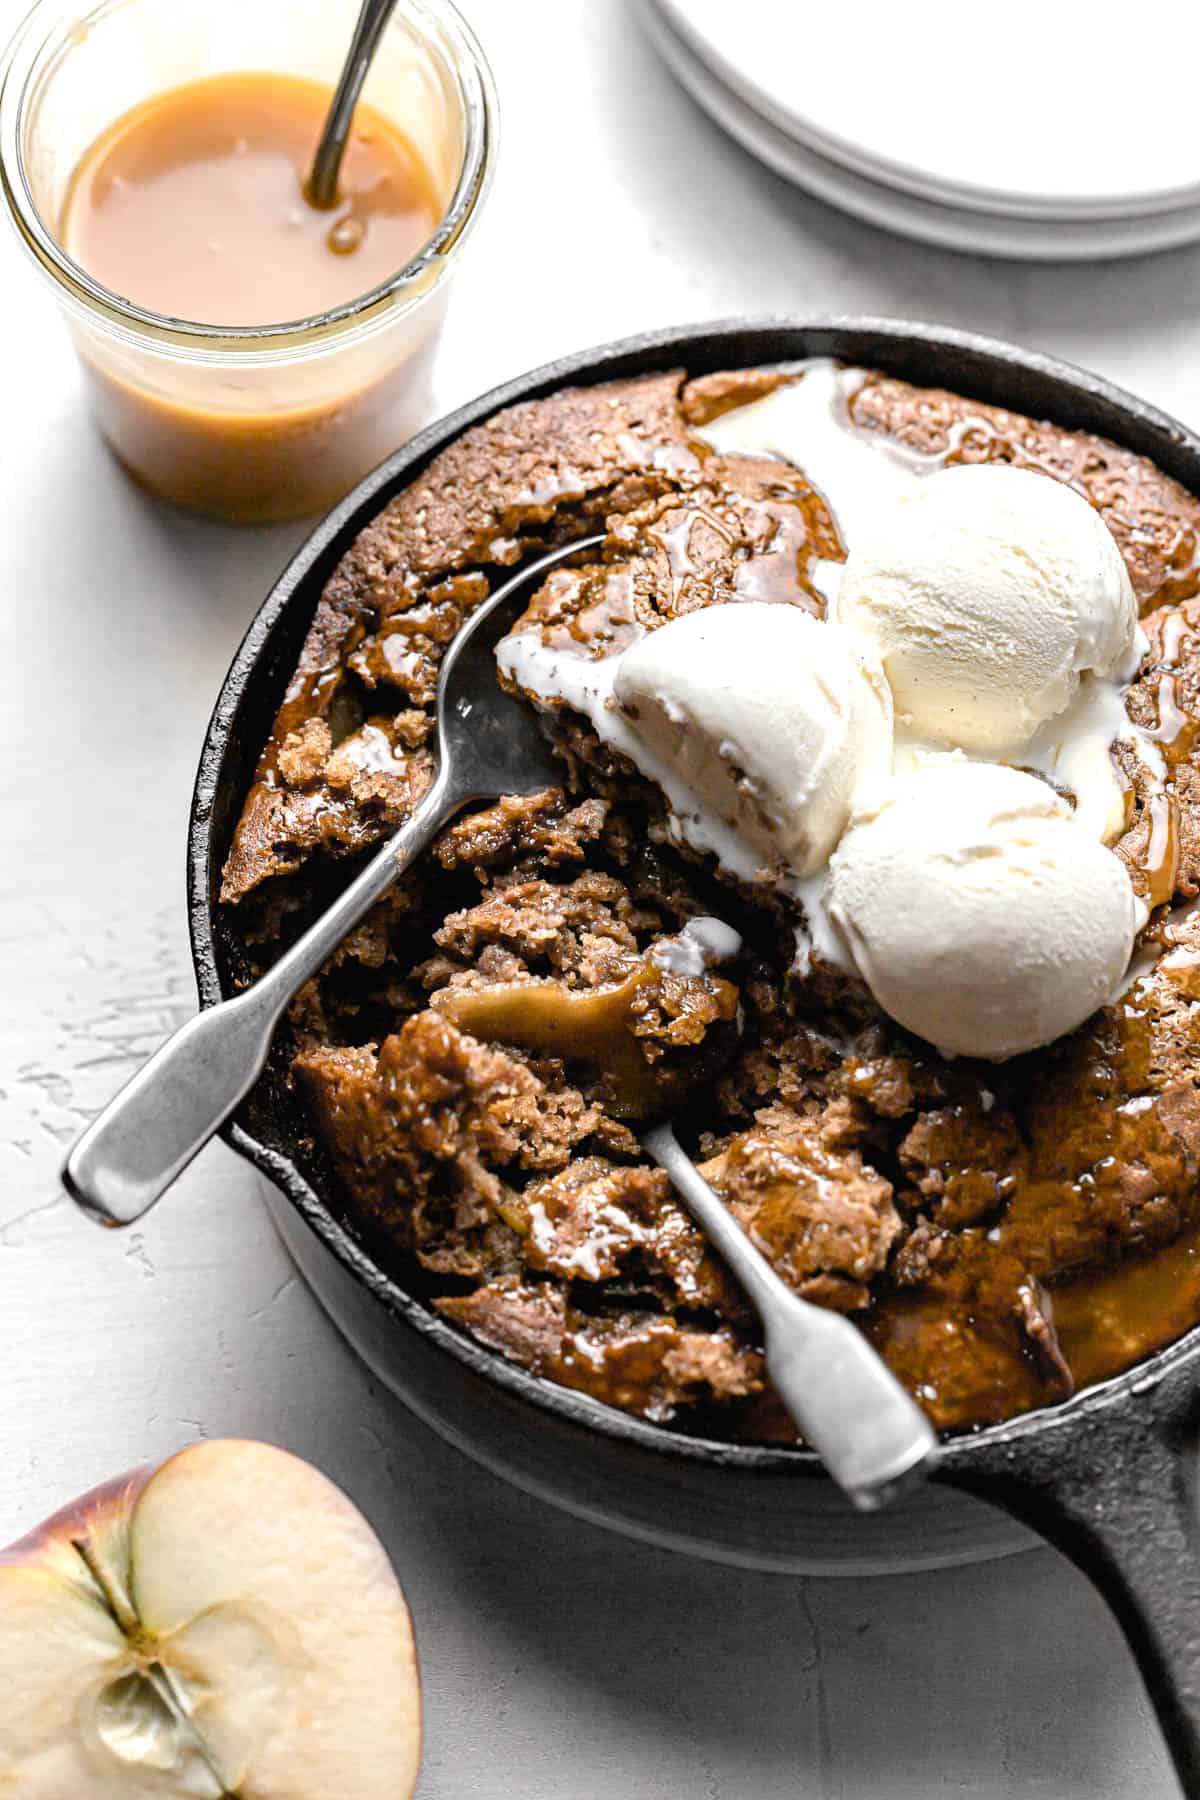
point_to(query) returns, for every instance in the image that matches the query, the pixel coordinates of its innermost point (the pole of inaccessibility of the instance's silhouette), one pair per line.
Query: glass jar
(263, 422)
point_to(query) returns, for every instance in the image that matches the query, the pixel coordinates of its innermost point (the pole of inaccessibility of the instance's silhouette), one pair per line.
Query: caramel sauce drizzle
(610, 623)
(596, 1026)
(1173, 738)
(606, 621)
(783, 571)
(1160, 862)
(676, 542)
(1103, 1322)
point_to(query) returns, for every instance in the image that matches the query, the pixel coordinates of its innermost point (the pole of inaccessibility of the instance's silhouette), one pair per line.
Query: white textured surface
(559, 1664)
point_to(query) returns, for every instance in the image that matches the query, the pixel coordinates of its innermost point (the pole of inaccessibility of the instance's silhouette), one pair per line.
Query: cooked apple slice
(227, 1627)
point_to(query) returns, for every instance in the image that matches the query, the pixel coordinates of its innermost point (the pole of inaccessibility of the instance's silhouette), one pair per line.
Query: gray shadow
(994, 1675)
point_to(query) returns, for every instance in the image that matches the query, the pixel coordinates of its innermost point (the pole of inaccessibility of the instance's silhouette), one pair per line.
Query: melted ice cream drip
(703, 944)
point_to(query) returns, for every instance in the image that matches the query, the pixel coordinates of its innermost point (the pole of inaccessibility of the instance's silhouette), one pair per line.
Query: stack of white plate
(1034, 128)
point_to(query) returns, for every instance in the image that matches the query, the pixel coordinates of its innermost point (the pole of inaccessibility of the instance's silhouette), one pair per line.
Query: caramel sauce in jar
(192, 207)
(244, 353)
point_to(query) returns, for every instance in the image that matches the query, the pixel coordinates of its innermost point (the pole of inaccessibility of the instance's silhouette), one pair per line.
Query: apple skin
(242, 1582)
(64, 1526)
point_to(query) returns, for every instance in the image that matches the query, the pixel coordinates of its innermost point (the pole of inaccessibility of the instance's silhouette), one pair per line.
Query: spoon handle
(145, 1137)
(327, 162)
(868, 1431)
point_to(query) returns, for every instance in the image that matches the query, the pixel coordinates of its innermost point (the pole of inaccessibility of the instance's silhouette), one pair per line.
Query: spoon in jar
(845, 1401)
(321, 186)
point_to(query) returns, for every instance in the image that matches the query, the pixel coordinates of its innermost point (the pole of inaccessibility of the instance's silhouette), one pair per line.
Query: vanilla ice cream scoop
(765, 728)
(988, 592)
(980, 914)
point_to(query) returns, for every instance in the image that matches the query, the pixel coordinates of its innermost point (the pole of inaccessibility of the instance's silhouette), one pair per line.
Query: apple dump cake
(870, 866)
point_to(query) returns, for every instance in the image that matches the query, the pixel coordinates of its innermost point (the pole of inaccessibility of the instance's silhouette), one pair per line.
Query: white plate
(1060, 113)
(956, 228)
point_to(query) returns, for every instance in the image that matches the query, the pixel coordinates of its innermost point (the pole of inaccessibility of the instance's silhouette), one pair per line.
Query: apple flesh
(225, 1627)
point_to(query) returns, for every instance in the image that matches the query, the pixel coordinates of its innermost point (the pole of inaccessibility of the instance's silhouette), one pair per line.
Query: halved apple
(226, 1627)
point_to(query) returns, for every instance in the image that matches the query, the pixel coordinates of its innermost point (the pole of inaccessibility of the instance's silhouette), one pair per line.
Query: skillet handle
(1111, 1483)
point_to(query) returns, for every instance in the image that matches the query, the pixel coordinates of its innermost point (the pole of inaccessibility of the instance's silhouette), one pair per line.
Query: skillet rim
(896, 345)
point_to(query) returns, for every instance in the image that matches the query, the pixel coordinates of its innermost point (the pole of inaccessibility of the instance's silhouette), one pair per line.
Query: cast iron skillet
(1108, 1476)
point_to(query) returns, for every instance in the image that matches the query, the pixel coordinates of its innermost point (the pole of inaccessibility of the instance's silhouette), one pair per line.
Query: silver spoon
(489, 744)
(846, 1402)
(321, 187)
(868, 1431)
